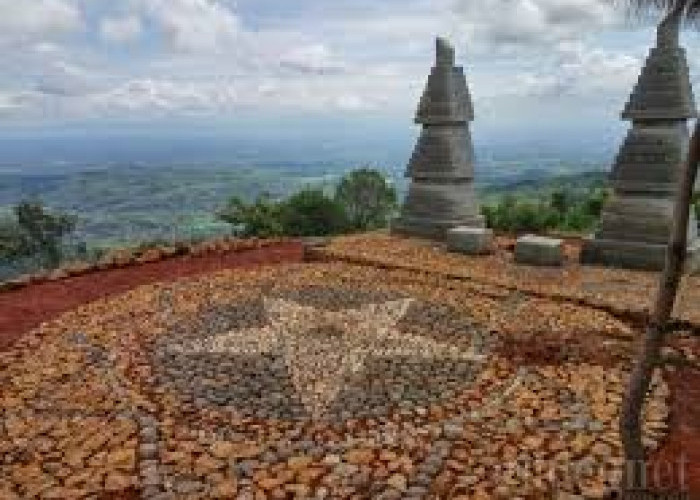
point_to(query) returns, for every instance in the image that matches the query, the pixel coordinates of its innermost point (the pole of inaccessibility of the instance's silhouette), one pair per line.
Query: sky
(302, 67)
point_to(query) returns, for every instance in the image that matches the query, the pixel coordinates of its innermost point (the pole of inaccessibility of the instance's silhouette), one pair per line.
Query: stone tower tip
(444, 52)
(668, 32)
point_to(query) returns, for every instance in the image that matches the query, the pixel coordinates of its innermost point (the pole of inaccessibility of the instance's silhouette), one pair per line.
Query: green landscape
(34, 234)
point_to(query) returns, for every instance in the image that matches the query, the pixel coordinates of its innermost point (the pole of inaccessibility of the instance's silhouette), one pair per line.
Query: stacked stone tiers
(441, 195)
(663, 90)
(637, 219)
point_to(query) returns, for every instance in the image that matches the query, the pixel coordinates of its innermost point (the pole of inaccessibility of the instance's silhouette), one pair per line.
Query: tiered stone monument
(441, 195)
(637, 220)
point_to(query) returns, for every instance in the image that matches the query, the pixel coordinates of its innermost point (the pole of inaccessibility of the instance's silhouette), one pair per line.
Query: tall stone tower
(441, 194)
(637, 220)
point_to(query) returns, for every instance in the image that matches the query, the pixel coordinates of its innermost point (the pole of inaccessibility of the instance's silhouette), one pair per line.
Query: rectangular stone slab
(470, 240)
(634, 255)
(539, 251)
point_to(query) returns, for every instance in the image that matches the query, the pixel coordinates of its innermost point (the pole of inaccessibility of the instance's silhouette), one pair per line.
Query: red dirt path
(24, 309)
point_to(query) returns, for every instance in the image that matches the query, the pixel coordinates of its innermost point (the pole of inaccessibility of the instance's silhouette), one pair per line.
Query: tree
(261, 218)
(368, 200)
(11, 241)
(35, 232)
(655, 335)
(559, 201)
(311, 213)
(595, 201)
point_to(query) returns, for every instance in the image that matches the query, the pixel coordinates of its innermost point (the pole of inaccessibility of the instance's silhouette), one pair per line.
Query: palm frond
(644, 9)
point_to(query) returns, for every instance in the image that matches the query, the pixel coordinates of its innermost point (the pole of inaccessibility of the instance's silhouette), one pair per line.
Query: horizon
(344, 77)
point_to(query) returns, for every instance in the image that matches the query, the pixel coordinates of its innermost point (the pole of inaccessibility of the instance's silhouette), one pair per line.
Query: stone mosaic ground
(323, 380)
(620, 291)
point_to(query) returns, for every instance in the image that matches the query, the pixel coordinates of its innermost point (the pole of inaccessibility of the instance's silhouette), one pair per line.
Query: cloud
(311, 59)
(370, 56)
(534, 22)
(68, 80)
(584, 71)
(194, 25)
(152, 95)
(121, 29)
(22, 20)
(17, 103)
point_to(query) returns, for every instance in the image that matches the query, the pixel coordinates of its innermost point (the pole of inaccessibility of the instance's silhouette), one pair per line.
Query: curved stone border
(126, 257)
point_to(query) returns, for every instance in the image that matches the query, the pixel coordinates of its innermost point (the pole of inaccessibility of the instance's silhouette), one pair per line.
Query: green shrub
(35, 232)
(561, 209)
(367, 199)
(311, 213)
(363, 201)
(262, 218)
(11, 239)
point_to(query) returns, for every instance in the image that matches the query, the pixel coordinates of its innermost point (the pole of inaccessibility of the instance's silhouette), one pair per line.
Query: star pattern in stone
(322, 348)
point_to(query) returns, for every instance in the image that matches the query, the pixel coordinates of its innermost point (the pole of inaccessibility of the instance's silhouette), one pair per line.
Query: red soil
(26, 308)
(677, 463)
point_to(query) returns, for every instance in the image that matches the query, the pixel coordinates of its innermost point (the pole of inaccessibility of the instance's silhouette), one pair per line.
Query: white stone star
(319, 362)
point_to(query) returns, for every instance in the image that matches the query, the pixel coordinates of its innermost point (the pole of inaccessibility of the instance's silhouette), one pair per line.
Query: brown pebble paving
(323, 380)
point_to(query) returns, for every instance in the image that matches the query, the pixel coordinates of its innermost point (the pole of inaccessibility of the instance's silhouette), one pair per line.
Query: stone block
(539, 251)
(470, 240)
(634, 255)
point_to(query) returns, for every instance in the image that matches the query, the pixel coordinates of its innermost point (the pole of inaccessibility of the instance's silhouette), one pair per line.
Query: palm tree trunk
(640, 379)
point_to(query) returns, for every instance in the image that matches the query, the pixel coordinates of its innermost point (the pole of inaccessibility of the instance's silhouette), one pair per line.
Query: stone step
(470, 240)
(539, 251)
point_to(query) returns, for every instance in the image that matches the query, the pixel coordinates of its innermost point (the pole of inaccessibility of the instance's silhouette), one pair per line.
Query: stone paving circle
(304, 381)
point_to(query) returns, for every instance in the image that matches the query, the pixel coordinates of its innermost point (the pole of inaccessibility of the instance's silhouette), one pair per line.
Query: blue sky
(309, 66)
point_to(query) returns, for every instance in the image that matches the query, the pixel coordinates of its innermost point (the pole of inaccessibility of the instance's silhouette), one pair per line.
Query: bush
(35, 233)
(311, 213)
(307, 213)
(561, 209)
(262, 218)
(11, 240)
(363, 201)
(367, 199)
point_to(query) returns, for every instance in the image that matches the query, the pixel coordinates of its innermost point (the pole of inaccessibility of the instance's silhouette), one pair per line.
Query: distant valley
(125, 204)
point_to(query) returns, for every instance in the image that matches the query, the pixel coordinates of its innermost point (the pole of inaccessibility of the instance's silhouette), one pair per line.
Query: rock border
(128, 257)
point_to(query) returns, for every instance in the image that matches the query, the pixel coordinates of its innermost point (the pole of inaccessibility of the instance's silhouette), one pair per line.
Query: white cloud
(582, 71)
(121, 29)
(203, 56)
(24, 20)
(65, 79)
(534, 22)
(194, 25)
(17, 103)
(150, 95)
(314, 58)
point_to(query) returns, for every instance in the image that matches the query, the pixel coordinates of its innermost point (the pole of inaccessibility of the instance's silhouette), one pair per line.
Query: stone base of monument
(430, 228)
(634, 255)
(470, 240)
(539, 251)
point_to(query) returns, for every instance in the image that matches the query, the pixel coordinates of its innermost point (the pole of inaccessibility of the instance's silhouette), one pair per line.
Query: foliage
(262, 218)
(311, 213)
(696, 204)
(363, 200)
(11, 241)
(367, 199)
(35, 232)
(562, 209)
(307, 213)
